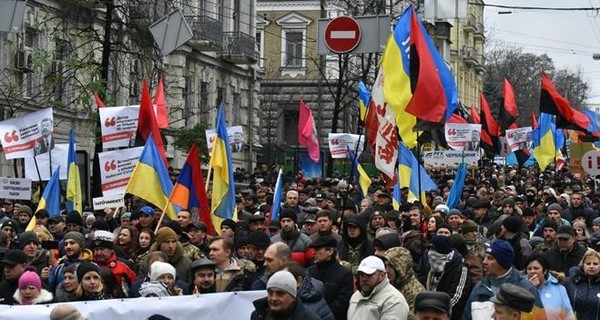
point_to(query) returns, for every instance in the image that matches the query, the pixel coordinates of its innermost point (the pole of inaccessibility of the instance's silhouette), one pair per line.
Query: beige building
(52, 62)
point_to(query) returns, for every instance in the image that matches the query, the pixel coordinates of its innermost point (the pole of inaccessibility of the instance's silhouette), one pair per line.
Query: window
(293, 49)
(134, 81)
(236, 109)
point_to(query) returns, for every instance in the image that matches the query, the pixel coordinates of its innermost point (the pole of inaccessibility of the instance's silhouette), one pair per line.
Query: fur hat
(158, 268)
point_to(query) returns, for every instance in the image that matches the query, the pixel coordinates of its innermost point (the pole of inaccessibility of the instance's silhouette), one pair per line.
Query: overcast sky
(568, 37)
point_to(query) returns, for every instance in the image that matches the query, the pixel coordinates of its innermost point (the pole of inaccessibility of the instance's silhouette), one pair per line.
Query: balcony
(479, 34)
(239, 48)
(470, 56)
(480, 66)
(207, 33)
(470, 24)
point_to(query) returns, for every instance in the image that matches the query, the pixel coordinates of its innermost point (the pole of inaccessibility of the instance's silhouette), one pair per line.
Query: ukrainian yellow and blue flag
(50, 199)
(74, 194)
(150, 179)
(544, 144)
(364, 98)
(409, 170)
(223, 186)
(364, 182)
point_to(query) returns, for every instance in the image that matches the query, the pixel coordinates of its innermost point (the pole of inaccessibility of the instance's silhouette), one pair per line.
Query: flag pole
(162, 214)
(419, 162)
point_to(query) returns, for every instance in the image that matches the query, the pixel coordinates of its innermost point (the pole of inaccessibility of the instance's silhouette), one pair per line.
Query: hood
(387, 241)
(44, 297)
(360, 222)
(401, 260)
(309, 290)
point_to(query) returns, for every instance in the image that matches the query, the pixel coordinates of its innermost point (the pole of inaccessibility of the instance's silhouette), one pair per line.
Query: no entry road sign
(342, 34)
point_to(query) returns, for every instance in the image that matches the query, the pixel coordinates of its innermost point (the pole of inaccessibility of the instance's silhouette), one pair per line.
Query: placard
(340, 142)
(28, 135)
(15, 188)
(236, 139)
(116, 168)
(112, 201)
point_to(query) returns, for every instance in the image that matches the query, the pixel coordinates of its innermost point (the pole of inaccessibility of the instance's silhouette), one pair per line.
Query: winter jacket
(237, 277)
(521, 248)
(384, 303)
(177, 260)
(456, 282)
(487, 287)
(7, 290)
(584, 294)
(134, 291)
(120, 270)
(61, 295)
(57, 273)
(44, 297)
(311, 294)
(406, 282)
(298, 312)
(555, 299)
(559, 262)
(354, 250)
(42, 261)
(338, 285)
(296, 240)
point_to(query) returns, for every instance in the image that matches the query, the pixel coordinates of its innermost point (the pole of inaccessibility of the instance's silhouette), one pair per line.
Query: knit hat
(25, 209)
(100, 225)
(288, 213)
(65, 312)
(509, 201)
(27, 237)
(512, 224)
(597, 221)
(528, 212)
(550, 224)
(158, 268)
(554, 207)
(468, 226)
(454, 212)
(442, 208)
(503, 252)
(577, 214)
(103, 239)
(259, 239)
(283, 280)
(84, 268)
(30, 278)
(441, 244)
(126, 215)
(164, 234)
(77, 237)
(74, 218)
(230, 223)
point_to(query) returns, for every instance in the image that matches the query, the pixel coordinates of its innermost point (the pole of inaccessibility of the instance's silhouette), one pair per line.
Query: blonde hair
(590, 253)
(79, 290)
(43, 233)
(582, 225)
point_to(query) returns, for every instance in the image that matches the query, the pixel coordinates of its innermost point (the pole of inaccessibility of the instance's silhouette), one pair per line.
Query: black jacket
(262, 312)
(338, 285)
(7, 290)
(560, 262)
(583, 293)
(456, 282)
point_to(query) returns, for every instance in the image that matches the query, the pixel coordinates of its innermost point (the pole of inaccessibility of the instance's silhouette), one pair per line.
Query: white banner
(340, 142)
(119, 126)
(386, 141)
(214, 306)
(112, 201)
(236, 139)
(519, 138)
(15, 188)
(463, 136)
(450, 158)
(59, 157)
(116, 168)
(27, 135)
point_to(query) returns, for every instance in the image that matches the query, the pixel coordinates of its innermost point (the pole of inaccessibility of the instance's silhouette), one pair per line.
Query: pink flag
(99, 102)
(307, 132)
(162, 115)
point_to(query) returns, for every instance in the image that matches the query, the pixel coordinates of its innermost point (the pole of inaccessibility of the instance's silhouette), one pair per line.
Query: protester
(30, 290)
(510, 301)
(310, 290)
(553, 294)
(65, 312)
(432, 305)
(400, 273)
(15, 263)
(90, 283)
(583, 287)
(281, 301)
(65, 291)
(204, 275)
(376, 298)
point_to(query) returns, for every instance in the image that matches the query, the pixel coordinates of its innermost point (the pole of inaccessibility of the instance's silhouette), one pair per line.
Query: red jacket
(119, 269)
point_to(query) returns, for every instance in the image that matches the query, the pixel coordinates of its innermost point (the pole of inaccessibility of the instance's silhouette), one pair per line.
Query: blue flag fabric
(457, 187)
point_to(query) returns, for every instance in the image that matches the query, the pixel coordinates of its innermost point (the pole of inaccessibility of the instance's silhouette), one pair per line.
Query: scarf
(437, 261)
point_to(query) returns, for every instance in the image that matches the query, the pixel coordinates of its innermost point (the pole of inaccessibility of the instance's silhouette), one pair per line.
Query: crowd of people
(519, 242)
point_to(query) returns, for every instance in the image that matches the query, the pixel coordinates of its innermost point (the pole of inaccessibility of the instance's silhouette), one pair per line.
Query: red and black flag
(508, 106)
(553, 103)
(489, 128)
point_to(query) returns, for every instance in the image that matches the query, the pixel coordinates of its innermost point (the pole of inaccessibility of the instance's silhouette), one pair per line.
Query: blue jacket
(584, 294)
(311, 293)
(482, 291)
(555, 299)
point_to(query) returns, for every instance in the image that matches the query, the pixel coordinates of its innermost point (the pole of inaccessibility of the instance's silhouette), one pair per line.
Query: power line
(544, 38)
(502, 6)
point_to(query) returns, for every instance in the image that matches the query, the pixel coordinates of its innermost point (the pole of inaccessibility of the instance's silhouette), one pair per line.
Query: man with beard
(24, 215)
(290, 235)
(497, 269)
(75, 252)
(343, 198)
(376, 297)
(203, 273)
(549, 234)
(337, 279)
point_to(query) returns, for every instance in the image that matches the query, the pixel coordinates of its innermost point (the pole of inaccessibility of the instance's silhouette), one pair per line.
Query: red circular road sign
(342, 34)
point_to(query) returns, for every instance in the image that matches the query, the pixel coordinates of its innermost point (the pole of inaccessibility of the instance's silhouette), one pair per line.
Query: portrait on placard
(46, 142)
